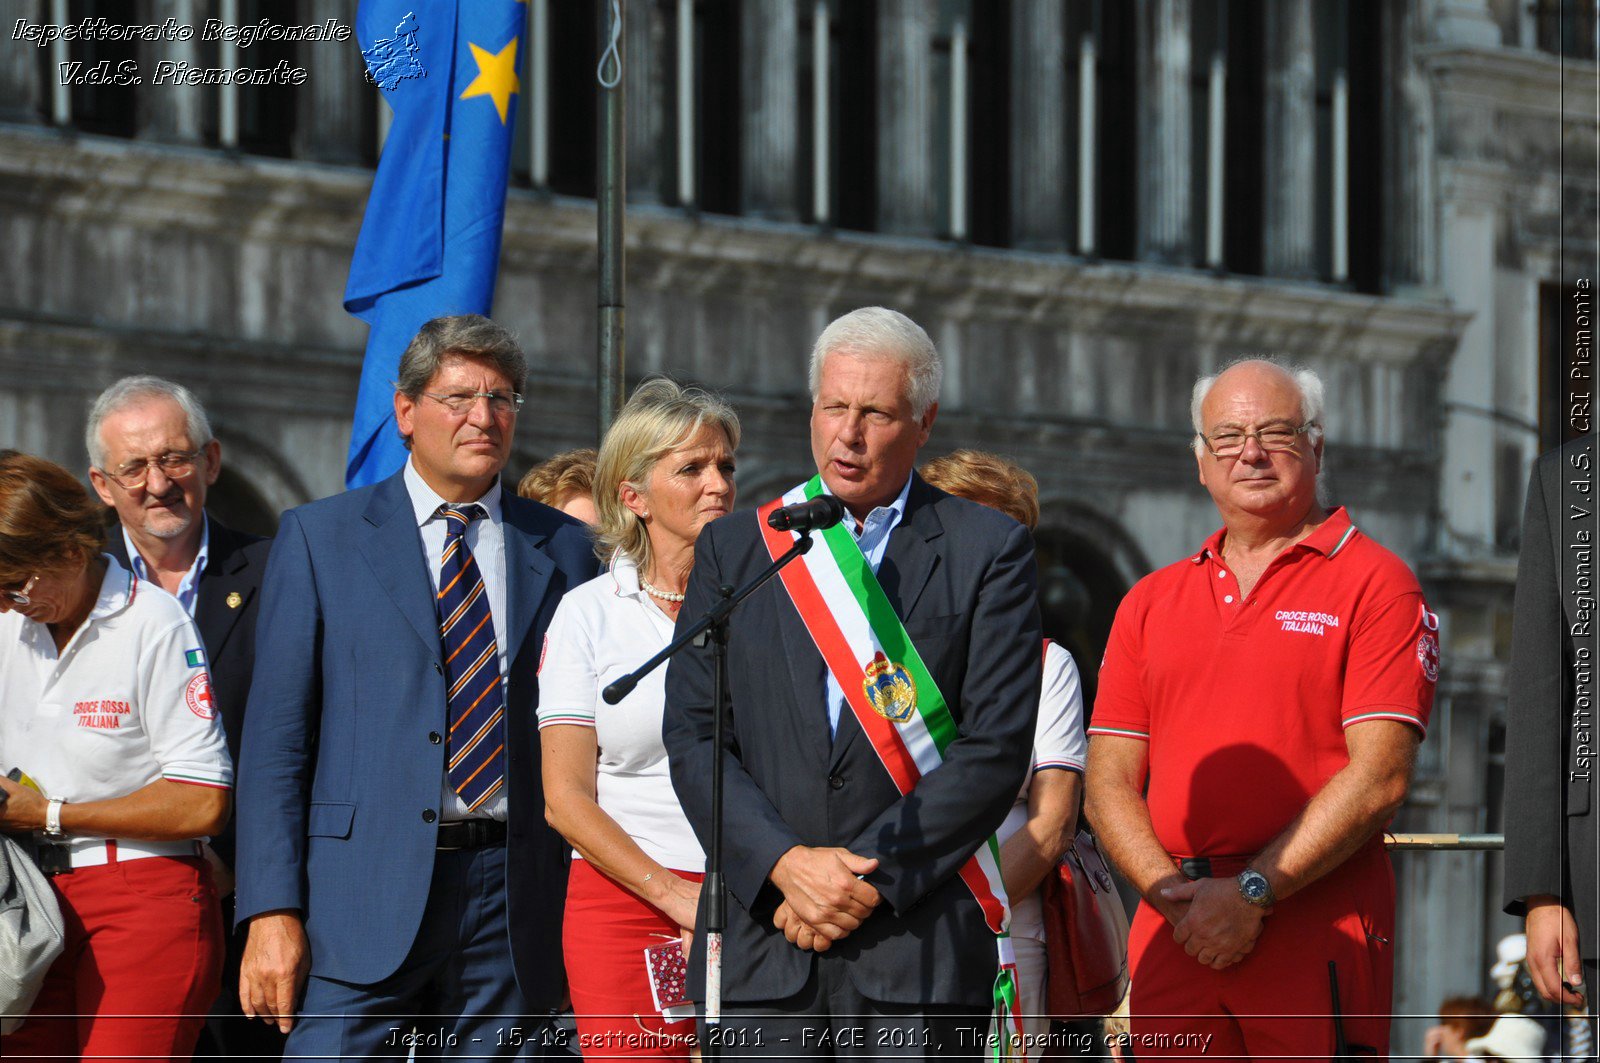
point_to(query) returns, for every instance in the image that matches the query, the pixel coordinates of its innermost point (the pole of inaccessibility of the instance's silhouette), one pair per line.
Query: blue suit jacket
(340, 758)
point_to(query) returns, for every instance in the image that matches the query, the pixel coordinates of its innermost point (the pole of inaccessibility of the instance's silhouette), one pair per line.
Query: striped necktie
(471, 667)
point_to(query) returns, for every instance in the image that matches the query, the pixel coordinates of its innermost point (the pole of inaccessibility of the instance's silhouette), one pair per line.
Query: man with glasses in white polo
(152, 458)
(1271, 689)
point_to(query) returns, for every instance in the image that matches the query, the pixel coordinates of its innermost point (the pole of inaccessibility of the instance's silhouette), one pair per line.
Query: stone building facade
(1086, 202)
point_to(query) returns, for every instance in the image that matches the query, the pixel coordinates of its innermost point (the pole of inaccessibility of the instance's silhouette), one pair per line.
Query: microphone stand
(712, 629)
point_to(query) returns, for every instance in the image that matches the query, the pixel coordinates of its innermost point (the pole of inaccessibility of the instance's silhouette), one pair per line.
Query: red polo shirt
(1244, 702)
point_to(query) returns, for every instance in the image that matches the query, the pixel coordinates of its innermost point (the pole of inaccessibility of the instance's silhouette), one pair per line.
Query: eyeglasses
(22, 597)
(1229, 442)
(461, 403)
(177, 465)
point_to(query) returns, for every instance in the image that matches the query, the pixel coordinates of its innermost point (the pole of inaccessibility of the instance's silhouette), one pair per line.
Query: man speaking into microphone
(882, 695)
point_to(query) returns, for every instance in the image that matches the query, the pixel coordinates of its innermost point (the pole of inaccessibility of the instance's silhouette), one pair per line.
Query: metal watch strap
(52, 818)
(1267, 899)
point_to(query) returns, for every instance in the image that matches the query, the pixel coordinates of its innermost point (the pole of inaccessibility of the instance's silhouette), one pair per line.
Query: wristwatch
(1255, 889)
(52, 818)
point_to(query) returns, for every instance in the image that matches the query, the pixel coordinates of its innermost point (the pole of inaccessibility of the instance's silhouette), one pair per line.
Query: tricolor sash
(894, 698)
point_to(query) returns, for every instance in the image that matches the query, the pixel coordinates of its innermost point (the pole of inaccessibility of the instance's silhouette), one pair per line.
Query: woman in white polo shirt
(106, 705)
(1044, 818)
(665, 471)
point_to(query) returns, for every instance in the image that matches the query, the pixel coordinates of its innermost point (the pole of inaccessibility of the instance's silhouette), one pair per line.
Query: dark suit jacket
(343, 760)
(1550, 807)
(235, 564)
(962, 579)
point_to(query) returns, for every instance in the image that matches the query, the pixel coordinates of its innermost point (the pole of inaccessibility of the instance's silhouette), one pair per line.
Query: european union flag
(430, 241)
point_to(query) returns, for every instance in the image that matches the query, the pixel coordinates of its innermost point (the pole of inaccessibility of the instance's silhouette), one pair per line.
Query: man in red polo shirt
(1272, 690)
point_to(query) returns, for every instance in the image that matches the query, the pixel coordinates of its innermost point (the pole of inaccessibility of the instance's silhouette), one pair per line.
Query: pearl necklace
(655, 592)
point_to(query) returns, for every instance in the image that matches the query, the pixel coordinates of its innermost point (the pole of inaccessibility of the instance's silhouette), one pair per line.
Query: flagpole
(611, 182)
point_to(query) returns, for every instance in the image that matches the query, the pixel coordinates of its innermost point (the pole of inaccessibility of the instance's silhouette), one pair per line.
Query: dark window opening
(267, 112)
(99, 103)
(717, 62)
(853, 164)
(573, 52)
(1566, 27)
(989, 125)
(1117, 121)
(1244, 161)
(1365, 59)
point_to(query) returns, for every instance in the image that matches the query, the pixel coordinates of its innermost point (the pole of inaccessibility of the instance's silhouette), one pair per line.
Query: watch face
(1253, 885)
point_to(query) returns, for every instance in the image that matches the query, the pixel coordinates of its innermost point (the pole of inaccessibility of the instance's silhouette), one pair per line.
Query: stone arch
(256, 484)
(1086, 564)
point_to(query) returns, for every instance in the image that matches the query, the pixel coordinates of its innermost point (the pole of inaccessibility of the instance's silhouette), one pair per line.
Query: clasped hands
(1211, 919)
(824, 896)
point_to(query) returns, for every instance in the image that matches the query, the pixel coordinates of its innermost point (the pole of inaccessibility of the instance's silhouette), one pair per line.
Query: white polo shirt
(600, 632)
(1059, 742)
(126, 703)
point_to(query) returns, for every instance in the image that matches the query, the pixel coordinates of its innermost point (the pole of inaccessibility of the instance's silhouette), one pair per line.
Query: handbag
(1085, 932)
(31, 932)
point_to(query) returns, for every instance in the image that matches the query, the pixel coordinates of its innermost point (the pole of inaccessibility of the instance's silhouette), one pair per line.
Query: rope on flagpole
(613, 53)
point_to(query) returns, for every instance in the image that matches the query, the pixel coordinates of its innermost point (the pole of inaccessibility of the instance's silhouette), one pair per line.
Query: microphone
(824, 511)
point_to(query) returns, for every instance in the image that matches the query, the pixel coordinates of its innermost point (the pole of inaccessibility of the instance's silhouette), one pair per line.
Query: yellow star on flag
(497, 76)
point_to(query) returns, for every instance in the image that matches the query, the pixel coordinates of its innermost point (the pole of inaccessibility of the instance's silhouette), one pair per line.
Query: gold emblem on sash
(889, 689)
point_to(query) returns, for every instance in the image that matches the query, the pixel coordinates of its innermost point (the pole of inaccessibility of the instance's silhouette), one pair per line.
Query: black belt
(471, 834)
(1198, 867)
(54, 859)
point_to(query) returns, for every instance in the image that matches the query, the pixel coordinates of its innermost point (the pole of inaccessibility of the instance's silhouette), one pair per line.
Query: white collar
(625, 575)
(425, 501)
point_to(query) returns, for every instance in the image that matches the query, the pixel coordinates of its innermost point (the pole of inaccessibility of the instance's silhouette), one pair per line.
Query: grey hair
(875, 332)
(659, 417)
(1306, 381)
(464, 336)
(132, 389)
(461, 336)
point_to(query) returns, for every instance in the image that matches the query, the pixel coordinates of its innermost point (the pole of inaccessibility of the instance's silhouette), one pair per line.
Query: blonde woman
(665, 470)
(1044, 819)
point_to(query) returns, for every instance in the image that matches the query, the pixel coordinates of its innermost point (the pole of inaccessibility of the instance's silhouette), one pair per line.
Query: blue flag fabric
(430, 240)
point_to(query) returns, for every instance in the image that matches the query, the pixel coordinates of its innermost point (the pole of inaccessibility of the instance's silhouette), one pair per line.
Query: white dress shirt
(487, 540)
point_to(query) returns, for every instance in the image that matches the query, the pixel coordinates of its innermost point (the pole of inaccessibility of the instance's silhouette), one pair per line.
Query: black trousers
(227, 1033)
(829, 1018)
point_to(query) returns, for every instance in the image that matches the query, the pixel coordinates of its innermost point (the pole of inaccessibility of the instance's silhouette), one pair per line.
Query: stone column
(769, 151)
(1408, 135)
(644, 54)
(1289, 197)
(906, 200)
(1039, 165)
(172, 113)
(1166, 169)
(1466, 22)
(22, 77)
(335, 109)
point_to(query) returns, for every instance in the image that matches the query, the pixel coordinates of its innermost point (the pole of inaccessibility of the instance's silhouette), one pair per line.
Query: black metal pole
(716, 896)
(713, 626)
(612, 182)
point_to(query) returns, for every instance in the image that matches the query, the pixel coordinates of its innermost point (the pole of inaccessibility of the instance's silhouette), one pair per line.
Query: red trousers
(1276, 1003)
(142, 963)
(604, 937)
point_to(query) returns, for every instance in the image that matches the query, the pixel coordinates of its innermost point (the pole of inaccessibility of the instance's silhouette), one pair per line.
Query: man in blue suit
(393, 855)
